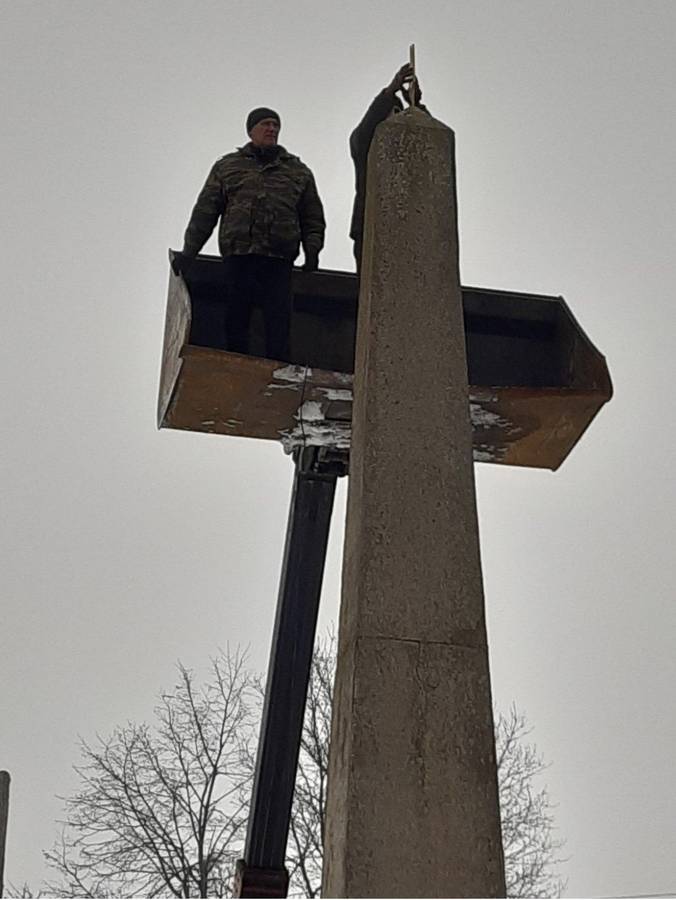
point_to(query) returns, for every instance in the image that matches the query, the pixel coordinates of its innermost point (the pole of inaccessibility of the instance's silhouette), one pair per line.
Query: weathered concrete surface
(412, 805)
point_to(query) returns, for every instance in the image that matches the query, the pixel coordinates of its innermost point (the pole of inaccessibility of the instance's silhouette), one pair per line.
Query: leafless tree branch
(530, 845)
(161, 810)
(158, 812)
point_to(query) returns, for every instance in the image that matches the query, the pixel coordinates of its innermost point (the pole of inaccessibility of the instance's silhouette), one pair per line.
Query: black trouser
(357, 250)
(263, 281)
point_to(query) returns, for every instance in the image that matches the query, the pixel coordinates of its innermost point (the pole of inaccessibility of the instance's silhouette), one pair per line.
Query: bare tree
(160, 810)
(13, 891)
(305, 847)
(528, 833)
(529, 839)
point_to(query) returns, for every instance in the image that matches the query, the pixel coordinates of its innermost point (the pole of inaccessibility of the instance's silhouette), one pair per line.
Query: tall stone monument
(413, 801)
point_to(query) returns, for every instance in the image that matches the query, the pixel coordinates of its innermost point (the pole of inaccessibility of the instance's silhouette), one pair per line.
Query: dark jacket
(360, 142)
(267, 202)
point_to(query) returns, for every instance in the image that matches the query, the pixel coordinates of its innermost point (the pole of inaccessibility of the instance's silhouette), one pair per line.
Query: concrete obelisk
(413, 803)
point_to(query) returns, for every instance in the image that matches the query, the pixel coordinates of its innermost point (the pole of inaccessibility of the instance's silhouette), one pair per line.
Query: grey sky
(125, 549)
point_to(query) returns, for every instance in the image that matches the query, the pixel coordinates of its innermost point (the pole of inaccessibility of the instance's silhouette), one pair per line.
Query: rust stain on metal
(176, 335)
(210, 390)
(227, 393)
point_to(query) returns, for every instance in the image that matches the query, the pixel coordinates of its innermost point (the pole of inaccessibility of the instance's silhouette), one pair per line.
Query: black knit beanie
(257, 115)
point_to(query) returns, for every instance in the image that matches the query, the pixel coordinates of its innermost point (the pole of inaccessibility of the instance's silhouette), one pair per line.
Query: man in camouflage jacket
(268, 206)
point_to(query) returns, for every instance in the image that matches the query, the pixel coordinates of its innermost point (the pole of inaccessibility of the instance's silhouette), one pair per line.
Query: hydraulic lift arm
(262, 872)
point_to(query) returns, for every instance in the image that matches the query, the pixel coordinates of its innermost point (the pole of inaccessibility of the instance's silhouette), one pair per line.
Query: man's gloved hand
(311, 263)
(180, 262)
(417, 93)
(402, 79)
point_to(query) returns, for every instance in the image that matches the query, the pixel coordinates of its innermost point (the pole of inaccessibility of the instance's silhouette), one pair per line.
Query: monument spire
(413, 799)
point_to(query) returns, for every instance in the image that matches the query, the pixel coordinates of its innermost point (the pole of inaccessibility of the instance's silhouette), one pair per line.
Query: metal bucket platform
(536, 380)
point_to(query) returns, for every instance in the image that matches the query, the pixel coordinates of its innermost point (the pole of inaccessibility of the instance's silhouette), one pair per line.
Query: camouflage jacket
(267, 203)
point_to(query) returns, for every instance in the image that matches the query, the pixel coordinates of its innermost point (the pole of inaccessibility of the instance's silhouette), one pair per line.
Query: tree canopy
(161, 809)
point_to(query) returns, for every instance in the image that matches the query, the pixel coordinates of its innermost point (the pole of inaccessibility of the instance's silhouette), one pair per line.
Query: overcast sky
(125, 548)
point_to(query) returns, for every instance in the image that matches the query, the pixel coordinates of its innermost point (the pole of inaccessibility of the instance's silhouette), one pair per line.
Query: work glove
(401, 79)
(180, 263)
(417, 92)
(311, 261)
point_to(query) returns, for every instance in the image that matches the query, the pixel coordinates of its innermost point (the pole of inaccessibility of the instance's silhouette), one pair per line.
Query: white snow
(292, 373)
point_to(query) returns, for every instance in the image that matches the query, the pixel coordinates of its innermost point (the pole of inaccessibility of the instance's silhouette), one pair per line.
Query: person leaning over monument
(384, 104)
(268, 205)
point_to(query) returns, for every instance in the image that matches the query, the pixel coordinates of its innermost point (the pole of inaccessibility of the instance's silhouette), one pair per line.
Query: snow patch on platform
(315, 430)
